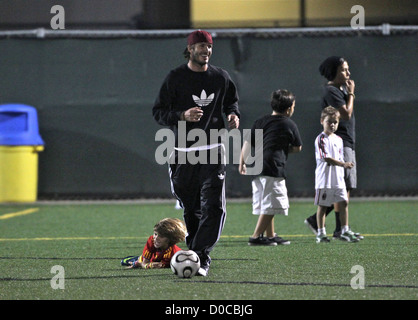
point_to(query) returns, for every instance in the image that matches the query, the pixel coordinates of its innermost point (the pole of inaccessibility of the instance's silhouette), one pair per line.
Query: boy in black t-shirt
(280, 137)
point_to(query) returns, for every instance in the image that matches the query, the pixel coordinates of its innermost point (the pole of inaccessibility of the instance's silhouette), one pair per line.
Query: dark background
(94, 95)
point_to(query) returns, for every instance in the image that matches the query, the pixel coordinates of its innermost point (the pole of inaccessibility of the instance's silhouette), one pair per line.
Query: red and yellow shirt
(153, 254)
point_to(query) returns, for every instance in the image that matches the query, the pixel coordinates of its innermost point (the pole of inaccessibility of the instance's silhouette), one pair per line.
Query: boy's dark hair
(281, 100)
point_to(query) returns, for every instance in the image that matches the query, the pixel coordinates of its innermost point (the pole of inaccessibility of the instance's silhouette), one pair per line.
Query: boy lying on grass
(160, 247)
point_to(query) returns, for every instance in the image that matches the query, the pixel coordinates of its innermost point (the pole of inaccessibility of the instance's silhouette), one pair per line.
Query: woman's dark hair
(329, 67)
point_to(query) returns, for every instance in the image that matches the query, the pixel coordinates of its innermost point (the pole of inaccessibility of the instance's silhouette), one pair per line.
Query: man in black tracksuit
(198, 94)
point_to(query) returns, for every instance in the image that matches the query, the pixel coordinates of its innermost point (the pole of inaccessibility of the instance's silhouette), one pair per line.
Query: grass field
(88, 241)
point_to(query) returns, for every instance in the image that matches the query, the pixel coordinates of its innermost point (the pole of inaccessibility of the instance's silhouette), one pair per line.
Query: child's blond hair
(171, 228)
(330, 112)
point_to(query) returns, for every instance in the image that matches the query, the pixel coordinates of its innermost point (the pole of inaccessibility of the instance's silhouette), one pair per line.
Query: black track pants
(200, 189)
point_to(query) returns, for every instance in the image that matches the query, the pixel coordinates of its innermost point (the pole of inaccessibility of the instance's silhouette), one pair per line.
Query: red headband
(199, 36)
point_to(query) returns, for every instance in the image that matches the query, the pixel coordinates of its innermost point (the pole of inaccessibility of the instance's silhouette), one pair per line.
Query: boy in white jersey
(329, 176)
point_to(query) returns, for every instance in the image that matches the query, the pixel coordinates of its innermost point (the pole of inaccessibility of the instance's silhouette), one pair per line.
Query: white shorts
(327, 197)
(270, 196)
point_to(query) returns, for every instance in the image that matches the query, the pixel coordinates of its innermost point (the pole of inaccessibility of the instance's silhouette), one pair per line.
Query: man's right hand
(193, 114)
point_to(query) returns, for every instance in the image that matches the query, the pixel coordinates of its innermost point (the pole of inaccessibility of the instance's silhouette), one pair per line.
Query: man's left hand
(233, 121)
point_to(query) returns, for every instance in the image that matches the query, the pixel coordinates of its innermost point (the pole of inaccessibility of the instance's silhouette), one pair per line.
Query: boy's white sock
(321, 231)
(344, 229)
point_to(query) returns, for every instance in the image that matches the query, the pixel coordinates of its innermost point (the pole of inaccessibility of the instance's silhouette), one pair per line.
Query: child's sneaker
(261, 241)
(322, 238)
(349, 236)
(128, 261)
(358, 235)
(279, 240)
(337, 235)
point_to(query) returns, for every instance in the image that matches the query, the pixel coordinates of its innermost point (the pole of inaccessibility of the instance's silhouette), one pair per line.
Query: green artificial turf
(88, 241)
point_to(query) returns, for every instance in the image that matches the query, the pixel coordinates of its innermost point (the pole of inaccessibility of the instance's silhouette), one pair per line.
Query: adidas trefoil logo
(203, 100)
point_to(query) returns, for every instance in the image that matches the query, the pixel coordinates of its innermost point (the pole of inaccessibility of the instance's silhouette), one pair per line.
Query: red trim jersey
(153, 254)
(328, 176)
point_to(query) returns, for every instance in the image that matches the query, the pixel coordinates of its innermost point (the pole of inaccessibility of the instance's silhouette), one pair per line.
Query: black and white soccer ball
(185, 264)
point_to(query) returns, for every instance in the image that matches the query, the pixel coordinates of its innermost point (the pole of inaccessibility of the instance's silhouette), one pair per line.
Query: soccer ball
(185, 264)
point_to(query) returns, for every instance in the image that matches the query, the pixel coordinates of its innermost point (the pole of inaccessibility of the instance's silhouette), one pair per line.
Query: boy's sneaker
(279, 240)
(322, 238)
(358, 235)
(311, 224)
(349, 236)
(337, 235)
(261, 241)
(129, 260)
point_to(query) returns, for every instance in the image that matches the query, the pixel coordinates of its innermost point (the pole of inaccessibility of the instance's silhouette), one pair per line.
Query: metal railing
(42, 33)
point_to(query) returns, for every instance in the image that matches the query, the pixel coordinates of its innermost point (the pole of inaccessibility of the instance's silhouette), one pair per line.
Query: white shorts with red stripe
(328, 196)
